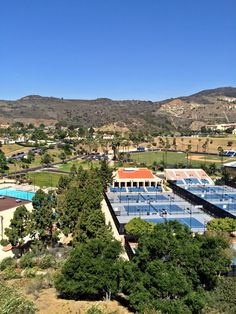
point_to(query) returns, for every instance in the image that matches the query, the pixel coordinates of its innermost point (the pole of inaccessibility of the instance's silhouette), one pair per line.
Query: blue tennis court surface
(117, 190)
(24, 195)
(145, 209)
(154, 189)
(142, 197)
(140, 189)
(190, 222)
(221, 196)
(192, 181)
(227, 207)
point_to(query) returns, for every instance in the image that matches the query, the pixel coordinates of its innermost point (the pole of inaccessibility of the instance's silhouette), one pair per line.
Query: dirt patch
(48, 303)
(202, 158)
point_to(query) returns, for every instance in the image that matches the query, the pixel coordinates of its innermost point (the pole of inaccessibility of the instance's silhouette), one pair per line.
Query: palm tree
(199, 140)
(221, 154)
(182, 140)
(167, 146)
(188, 152)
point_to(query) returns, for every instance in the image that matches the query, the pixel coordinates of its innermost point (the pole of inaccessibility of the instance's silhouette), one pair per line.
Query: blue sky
(121, 49)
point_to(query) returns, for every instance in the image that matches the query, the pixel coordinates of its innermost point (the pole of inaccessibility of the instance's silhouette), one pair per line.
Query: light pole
(170, 202)
(164, 214)
(190, 213)
(128, 205)
(149, 208)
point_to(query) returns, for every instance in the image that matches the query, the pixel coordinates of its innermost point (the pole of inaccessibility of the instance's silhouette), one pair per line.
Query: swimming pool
(24, 195)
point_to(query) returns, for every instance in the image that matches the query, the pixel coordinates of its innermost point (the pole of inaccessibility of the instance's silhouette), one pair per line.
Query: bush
(4, 242)
(12, 302)
(94, 310)
(47, 261)
(7, 262)
(9, 273)
(27, 260)
(30, 273)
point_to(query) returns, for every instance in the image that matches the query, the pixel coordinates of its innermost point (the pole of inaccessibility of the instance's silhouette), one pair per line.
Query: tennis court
(151, 209)
(190, 222)
(142, 197)
(227, 207)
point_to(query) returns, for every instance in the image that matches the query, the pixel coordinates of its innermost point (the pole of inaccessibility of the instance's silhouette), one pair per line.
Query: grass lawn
(37, 161)
(44, 179)
(10, 149)
(174, 158)
(77, 163)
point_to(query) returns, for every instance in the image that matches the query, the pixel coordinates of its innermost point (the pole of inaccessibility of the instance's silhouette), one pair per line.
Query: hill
(208, 106)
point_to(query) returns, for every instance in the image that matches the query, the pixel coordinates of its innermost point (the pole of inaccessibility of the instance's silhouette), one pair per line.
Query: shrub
(12, 302)
(10, 273)
(47, 261)
(7, 263)
(30, 273)
(94, 310)
(27, 260)
(4, 242)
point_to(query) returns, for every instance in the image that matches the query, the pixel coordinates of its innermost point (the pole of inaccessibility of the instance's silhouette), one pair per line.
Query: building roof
(231, 164)
(10, 202)
(134, 173)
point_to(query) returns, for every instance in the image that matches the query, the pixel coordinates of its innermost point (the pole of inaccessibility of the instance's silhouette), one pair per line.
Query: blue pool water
(17, 194)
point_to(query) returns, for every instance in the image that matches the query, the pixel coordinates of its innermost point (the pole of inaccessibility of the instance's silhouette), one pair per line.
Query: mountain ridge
(207, 106)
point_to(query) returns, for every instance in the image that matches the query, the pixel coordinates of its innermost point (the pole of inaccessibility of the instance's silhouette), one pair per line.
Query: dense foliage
(222, 225)
(138, 227)
(222, 298)
(91, 271)
(172, 270)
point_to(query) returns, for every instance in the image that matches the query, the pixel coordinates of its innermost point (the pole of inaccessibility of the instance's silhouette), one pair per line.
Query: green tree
(62, 156)
(3, 162)
(63, 183)
(222, 298)
(46, 159)
(19, 226)
(105, 172)
(91, 271)
(221, 154)
(73, 169)
(138, 227)
(39, 134)
(188, 151)
(171, 269)
(91, 224)
(227, 225)
(43, 217)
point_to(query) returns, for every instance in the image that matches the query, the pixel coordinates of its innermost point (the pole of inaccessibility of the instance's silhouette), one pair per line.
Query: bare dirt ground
(201, 158)
(48, 303)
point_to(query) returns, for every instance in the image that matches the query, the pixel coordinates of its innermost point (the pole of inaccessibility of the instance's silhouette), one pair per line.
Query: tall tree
(43, 217)
(90, 271)
(105, 172)
(3, 161)
(19, 226)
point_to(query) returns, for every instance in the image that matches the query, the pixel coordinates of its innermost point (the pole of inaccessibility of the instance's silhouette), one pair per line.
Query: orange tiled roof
(7, 248)
(139, 173)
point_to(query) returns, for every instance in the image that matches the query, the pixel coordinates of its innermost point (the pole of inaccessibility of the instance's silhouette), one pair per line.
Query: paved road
(45, 168)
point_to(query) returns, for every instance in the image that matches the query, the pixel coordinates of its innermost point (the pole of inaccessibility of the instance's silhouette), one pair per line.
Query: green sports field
(85, 164)
(44, 179)
(173, 158)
